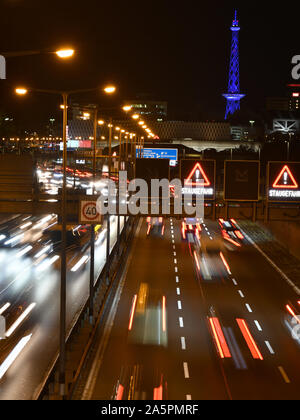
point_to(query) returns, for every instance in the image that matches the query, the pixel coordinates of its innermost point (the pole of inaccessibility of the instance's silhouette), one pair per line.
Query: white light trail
(24, 251)
(13, 355)
(21, 318)
(3, 309)
(42, 252)
(82, 261)
(26, 225)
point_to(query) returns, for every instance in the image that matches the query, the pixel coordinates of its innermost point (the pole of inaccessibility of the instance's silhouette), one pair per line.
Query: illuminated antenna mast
(234, 96)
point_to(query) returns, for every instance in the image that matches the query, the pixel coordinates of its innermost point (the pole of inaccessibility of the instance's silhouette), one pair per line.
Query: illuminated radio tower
(234, 96)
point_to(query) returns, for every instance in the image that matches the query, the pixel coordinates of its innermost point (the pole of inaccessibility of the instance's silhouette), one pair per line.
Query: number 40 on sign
(89, 213)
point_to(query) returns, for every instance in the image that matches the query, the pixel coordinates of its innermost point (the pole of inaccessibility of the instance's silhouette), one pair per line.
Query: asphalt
(23, 282)
(191, 364)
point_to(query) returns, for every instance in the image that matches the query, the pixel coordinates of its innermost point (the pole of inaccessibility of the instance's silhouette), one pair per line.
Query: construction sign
(242, 180)
(198, 177)
(284, 182)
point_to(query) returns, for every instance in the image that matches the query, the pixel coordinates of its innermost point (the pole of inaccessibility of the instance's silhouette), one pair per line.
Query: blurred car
(210, 261)
(142, 376)
(141, 382)
(231, 233)
(156, 226)
(191, 229)
(292, 320)
(148, 323)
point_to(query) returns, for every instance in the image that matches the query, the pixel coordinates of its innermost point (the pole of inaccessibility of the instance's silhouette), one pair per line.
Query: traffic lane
(151, 264)
(205, 374)
(272, 371)
(27, 372)
(267, 293)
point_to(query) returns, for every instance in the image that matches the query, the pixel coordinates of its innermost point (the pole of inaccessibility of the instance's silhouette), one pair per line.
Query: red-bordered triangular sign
(203, 182)
(286, 179)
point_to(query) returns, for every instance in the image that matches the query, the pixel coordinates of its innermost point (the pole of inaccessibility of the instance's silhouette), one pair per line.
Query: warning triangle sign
(198, 177)
(285, 179)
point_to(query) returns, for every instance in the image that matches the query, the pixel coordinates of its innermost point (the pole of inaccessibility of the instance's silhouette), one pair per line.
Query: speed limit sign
(89, 213)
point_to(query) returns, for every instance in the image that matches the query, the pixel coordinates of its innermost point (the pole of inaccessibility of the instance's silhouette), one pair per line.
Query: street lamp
(110, 89)
(65, 53)
(65, 96)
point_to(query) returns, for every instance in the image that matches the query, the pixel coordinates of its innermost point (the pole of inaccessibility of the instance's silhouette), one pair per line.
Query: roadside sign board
(198, 177)
(241, 180)
(88, 213)
(149, 169)
(154, 153)
(283, 183)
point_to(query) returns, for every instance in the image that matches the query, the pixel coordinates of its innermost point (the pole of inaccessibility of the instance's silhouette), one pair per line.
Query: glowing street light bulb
(21, 91)
(127, 108)
(101, 122)
(66, 53)
(135, 116)
(110, 89)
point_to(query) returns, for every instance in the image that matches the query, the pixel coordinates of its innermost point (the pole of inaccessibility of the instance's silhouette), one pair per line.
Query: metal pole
(95, 144)
(92, 262)
(126, 152)
(120, 149)
(118, 195)
(92, 274)
(107, 249)
(63, 275)
(109, 147)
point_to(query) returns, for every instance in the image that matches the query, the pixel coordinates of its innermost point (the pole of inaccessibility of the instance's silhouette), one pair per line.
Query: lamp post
(63, 53)
(62, 340)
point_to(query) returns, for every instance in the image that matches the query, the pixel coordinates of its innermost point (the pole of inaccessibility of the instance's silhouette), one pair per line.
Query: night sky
(177, 52)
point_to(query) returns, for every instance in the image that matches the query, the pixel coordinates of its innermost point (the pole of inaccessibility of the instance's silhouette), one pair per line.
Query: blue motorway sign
(147, 153)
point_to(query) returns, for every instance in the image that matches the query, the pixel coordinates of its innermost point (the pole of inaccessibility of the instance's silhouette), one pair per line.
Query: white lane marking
(181, 322)
(178, 291)
(175, 261)
(286, 278)
(269, 347)
(177, 279)
(189, 398)
(284, 375)
(241, 294)
(258, 326)
(234, 282)
(179, 305)
(249, 308)
(175, 254)
(174, 247)
(183, 343)
(176, 269)
(186, 370)
(173, 241)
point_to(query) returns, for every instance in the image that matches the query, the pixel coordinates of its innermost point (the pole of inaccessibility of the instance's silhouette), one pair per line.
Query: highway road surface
(29, 299)
(195, 321)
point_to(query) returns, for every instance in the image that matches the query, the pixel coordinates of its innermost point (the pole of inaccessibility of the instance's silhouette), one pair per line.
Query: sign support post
(92, 275)
(107, 249)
